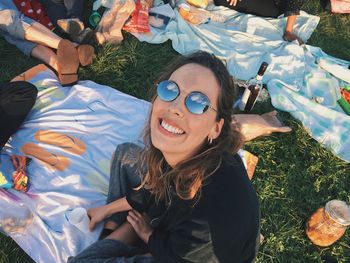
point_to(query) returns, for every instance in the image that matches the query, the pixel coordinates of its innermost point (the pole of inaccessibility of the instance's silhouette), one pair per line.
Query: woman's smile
(169, 128)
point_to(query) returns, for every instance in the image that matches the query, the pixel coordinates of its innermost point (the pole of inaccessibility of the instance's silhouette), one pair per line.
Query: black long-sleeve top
(265, 8)
(220, 225)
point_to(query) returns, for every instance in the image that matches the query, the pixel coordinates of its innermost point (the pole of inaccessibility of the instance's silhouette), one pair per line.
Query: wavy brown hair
(188, 176)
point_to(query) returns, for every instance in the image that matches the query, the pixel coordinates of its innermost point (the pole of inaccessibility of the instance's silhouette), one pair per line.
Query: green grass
(295, 175)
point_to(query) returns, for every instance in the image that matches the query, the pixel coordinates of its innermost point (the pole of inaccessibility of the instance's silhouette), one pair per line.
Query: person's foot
(71, 26)
(290, 36)
(100, 38)
(86, 54)
(84, 37)
(67, 63)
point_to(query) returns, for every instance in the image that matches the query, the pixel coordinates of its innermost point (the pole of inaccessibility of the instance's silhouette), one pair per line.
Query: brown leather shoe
(86, 54)
(68, 63)
(71, 26)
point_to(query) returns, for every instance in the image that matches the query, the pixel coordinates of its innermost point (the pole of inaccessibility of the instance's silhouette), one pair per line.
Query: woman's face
(175, 131)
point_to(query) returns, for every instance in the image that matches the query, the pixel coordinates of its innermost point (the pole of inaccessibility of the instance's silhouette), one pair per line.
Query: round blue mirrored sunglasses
(196, 102)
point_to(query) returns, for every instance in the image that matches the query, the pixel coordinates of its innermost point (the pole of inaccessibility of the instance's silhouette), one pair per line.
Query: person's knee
(7, 18)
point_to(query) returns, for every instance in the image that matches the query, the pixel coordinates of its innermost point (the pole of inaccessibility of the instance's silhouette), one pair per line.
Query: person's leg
(46, 55)
(126, 234)
(16, 100)
(55, 10)
(74, 8)
(124, 176)
(40, 34)
(105, 251)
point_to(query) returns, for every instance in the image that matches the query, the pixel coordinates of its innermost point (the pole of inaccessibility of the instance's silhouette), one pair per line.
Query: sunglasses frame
(187, 96)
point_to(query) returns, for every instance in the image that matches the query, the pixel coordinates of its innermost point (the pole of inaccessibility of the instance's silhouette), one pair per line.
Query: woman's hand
(290, 36)
(141, 224)
(233, 2)
(97, 215)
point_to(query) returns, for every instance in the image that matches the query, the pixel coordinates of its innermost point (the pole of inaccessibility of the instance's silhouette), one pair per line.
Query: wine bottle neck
(259, 77)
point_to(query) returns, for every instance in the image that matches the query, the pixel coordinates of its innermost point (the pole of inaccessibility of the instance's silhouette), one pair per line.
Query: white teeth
(170, 128)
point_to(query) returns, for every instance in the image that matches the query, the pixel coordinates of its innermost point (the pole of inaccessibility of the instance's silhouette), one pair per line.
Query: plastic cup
(79, 218)
(94, 19)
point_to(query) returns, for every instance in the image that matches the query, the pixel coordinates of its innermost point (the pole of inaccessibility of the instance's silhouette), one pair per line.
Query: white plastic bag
(15, 216)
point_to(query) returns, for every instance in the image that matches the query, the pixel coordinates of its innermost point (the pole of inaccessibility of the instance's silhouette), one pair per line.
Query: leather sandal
(68, 63)
(86, 54)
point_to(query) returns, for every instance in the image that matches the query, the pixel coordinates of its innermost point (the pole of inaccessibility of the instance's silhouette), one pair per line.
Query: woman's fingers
(92, 224)
(233, 2)
(135, 214)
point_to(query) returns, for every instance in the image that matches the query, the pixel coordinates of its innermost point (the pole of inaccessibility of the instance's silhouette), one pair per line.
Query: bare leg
(46, 55)
(125, 233)
(38, 33)
(288, 32)
(111, 225)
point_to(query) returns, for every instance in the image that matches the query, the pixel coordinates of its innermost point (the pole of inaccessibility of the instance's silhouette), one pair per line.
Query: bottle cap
(339, 211)
(262, 68)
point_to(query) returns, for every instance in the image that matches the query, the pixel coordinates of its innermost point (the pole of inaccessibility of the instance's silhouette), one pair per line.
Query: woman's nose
(177, 106)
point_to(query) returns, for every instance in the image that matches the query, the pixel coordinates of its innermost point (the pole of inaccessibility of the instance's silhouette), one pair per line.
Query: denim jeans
(124, 176)
(13, 25)
(62, 9)
(110, 251)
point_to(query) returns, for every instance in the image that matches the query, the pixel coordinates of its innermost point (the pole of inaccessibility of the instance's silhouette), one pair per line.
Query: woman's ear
(216, 130)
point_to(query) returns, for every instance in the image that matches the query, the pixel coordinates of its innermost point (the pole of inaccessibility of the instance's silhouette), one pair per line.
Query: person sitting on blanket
(194, 202)
(36, 40)
(16, 100)
(269, 8)
(68, 16)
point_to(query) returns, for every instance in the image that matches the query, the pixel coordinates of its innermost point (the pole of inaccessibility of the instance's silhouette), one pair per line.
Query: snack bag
(19, 176)
(199, 3)
(194, 15)
(4, 183)
(139, 19)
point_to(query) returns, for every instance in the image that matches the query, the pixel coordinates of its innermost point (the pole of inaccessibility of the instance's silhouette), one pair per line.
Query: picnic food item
(16, 219)
(19, 176)
(328, 223)
(344, 101)
(194, 15)
(4, 183)
(198, 3)
(252, 91)
(139, 18)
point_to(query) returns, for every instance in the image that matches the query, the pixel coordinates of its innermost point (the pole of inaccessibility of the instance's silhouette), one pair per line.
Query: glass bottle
(328, 223)
(252, 90)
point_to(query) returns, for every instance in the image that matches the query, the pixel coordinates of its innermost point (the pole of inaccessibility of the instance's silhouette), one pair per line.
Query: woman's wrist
(109, 210)
(147, 236)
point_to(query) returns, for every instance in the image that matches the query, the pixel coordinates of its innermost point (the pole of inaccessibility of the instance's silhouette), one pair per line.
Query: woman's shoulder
(231, 170)
(230, 184)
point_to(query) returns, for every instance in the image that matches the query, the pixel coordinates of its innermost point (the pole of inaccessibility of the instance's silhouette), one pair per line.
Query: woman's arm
(288, 32)
(100, 213)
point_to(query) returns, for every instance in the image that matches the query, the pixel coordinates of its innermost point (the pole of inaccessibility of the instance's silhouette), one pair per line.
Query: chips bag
(138, 22)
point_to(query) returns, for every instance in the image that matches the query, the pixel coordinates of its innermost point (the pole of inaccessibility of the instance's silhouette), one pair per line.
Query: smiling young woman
(187, 192)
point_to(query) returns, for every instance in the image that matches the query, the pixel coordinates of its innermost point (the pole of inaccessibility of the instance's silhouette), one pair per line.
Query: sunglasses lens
(167, 90)
(197, 103)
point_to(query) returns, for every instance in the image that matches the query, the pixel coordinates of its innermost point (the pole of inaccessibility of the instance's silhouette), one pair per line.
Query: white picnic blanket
(100, 118)
(244, 41)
